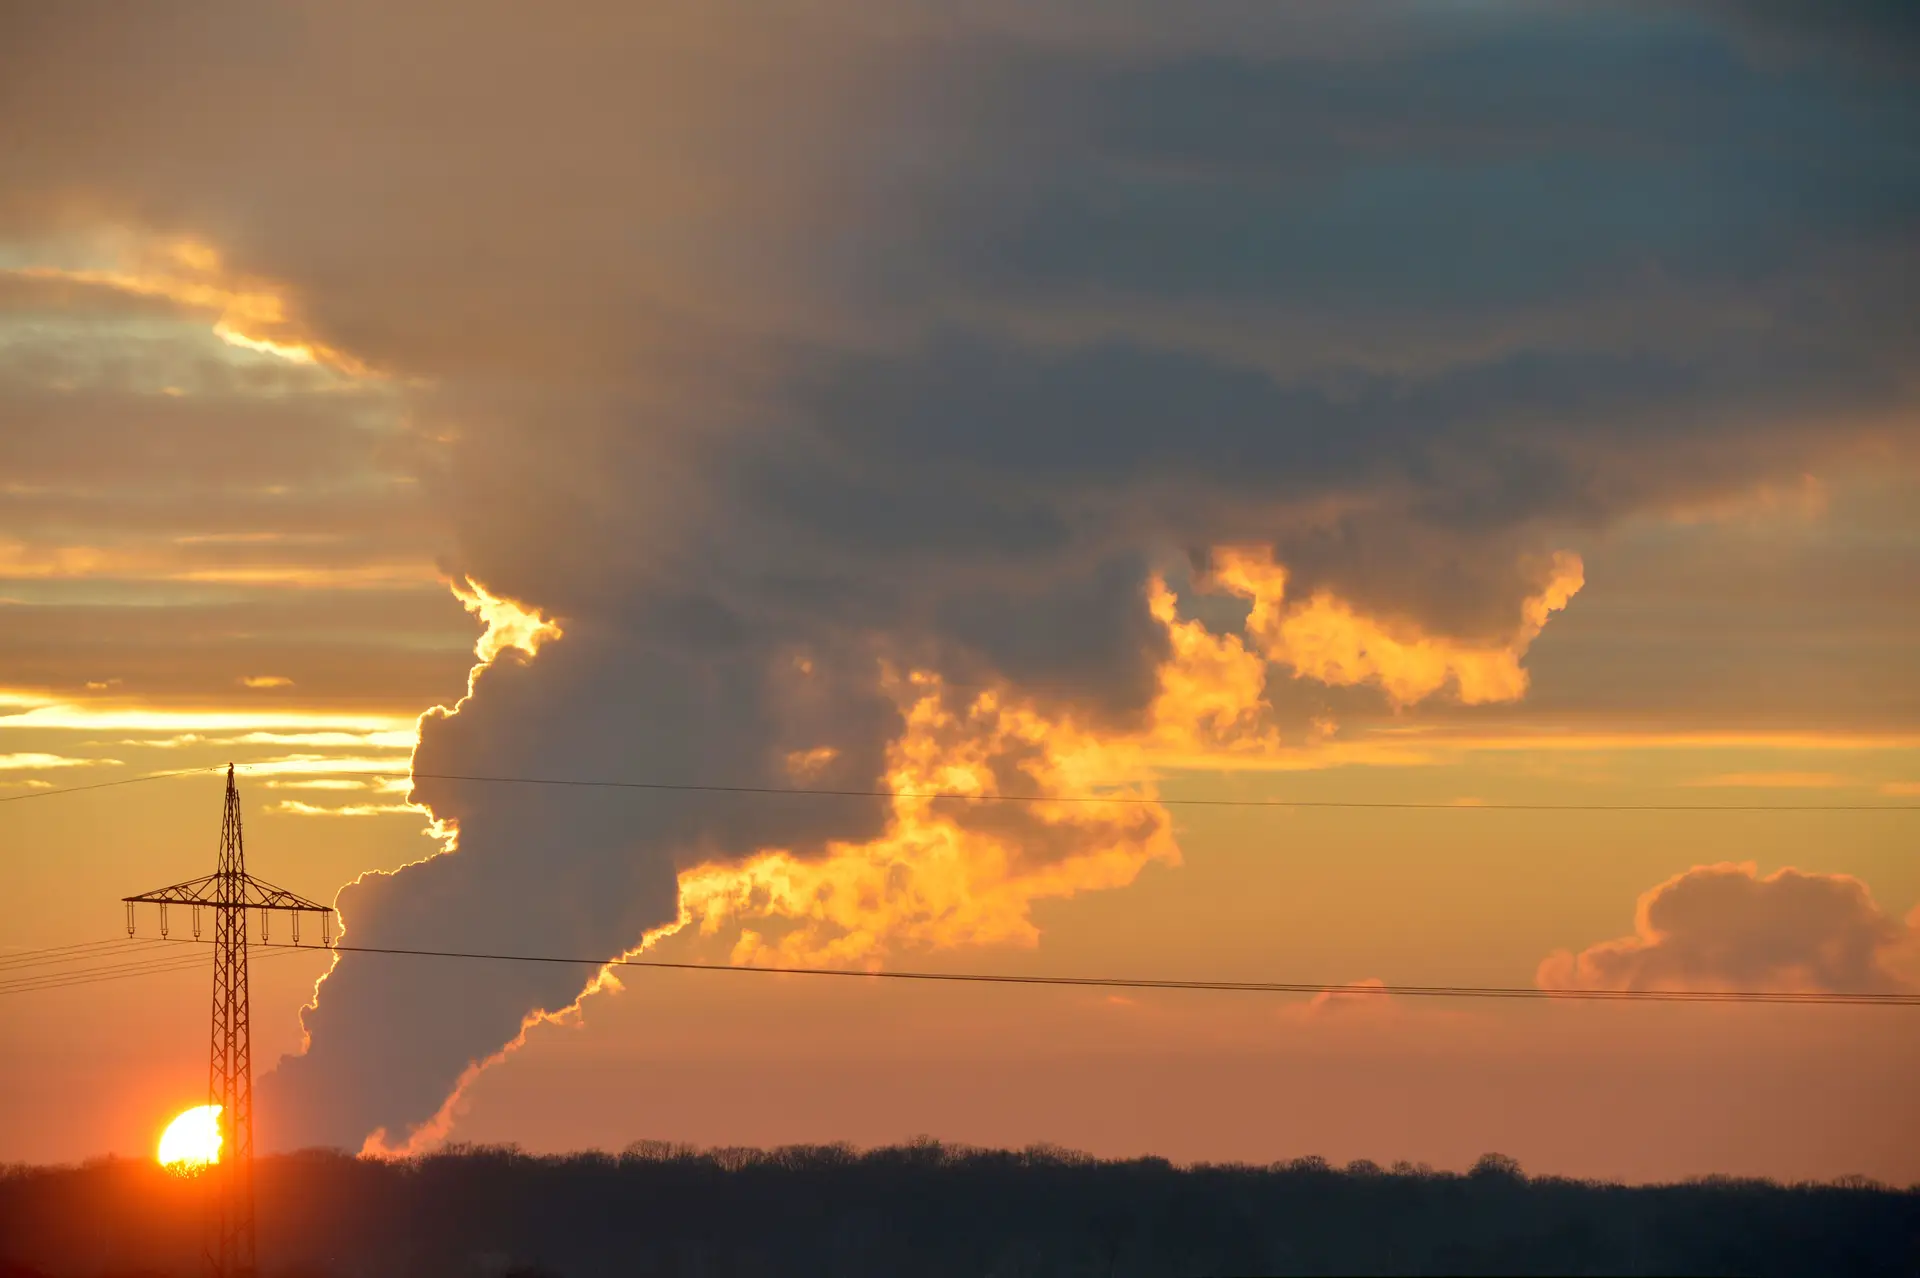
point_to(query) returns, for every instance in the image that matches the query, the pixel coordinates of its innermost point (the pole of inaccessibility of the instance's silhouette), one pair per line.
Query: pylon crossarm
(253, 894)
(267, 896)
(200, 891)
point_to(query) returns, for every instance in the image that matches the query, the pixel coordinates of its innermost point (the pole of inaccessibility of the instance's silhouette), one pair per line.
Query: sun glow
(191, 1141)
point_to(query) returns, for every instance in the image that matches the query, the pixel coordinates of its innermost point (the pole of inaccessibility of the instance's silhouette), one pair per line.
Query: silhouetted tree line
(933, 1210)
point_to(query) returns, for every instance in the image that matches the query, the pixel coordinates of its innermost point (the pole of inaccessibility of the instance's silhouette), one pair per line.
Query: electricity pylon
(230, 892)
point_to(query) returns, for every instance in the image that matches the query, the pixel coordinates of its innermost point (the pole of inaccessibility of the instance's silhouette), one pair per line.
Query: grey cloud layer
(857, 331)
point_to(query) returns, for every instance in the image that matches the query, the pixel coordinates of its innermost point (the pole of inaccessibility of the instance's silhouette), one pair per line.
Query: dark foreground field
(926, 1210)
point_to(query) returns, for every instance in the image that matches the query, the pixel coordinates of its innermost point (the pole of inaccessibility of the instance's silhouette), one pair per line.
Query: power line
(101, 951)
(1849, 998)
(197, 964)
(85, 975)
(126, 971)
(16, 958)
(128, 957)
(105, 785)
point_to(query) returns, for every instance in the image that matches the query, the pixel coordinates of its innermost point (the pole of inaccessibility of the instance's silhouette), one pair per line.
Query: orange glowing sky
(303, 487)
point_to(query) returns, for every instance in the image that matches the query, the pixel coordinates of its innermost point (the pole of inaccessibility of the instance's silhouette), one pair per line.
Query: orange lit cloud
(1212, 689)
(1725, 927)
(945, 872)
(509, 624)
(948, 872)
(1326, 639)
(266, 681)
(943, 875)
(250, 314)
(946, 875)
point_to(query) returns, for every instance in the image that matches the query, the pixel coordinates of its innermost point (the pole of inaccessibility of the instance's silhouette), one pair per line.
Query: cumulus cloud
(873, 386)
(1725, 926)
(1323, 638)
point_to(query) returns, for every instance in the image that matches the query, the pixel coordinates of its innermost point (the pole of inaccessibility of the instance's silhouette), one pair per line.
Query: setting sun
(192, 1140)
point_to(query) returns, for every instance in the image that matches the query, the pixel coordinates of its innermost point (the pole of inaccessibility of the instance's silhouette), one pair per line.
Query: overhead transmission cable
(29, 958)
(1869, 998)
(133, 954)
(198, 965)
(106, 963)
(150, 966)
(109, 950)
(106, 785)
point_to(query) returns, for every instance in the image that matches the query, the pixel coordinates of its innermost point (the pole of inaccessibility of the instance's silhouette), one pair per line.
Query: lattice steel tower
(230, 892)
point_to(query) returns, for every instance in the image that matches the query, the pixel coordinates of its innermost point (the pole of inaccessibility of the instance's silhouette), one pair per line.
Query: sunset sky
(1463, 404)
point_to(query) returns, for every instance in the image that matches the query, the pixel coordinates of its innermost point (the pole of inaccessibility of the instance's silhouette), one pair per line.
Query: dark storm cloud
(1533, 166)
(749, 343)
(1533, 185)
(1085, 636)
(1878, 35)
(996, 441)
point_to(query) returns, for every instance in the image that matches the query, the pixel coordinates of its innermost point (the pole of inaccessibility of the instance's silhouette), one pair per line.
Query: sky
(1459, 404)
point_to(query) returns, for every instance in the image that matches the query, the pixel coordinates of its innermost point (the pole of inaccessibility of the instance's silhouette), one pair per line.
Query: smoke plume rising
(998, 399)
